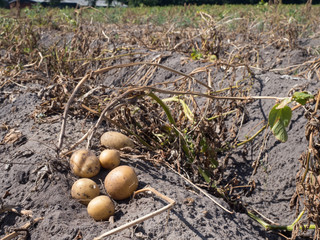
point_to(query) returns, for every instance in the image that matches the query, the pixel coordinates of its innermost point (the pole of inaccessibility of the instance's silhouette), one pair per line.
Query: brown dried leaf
(11, 137)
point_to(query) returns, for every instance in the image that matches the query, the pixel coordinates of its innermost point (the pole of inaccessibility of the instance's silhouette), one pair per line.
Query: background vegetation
(199, 2)
(139, 3)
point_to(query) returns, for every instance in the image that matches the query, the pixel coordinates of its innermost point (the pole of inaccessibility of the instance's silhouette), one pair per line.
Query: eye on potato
(85, 190)
(101, 208)
(121, 182)
(84, 163)
(109, 159)
(116, 140)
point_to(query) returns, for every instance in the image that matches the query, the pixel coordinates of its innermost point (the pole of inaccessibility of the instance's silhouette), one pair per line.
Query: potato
(101, 208)
(84, 163)
(121, 182)
(116, 140)
(85, 190)
(109, 158)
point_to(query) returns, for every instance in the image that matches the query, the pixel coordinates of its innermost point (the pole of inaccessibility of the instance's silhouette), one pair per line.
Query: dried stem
(131, 90)
(25, 227)
(308, 158)
(200, 190)
(66, 109)
(141, 219)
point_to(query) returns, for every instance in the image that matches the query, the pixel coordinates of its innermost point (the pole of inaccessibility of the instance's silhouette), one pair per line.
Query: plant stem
(268, 226)
(317, 103)
(120, 126)
(173, 122)
(308, 158)
(250, 139)
(220, 115)
(165, 108)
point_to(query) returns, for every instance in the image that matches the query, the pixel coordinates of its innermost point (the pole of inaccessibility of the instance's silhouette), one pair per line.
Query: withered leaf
(12, 137)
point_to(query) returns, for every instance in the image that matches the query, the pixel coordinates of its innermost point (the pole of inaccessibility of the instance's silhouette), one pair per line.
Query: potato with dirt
(101, 208)
(116, 140)
(121, 182)
(85, 190)
(109, 159)
(84, 163)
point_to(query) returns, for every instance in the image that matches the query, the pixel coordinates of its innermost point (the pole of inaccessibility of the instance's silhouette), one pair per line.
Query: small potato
(85, 190)
(84, 163)
(116, 140)
(121, 182)
(109, 158)
(101, 208)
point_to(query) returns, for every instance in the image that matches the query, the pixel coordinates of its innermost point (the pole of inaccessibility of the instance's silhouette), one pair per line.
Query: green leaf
(212, 58)
(302, 97)
(186, 109)
(214, 163)
(279, 119)
(273, 114)
(203, 145)
(285, 115)
(204, 175)
(284, 103)
(196, 55)
(279, 131)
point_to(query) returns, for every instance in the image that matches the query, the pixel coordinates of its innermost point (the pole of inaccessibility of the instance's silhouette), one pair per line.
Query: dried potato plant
(189, 121)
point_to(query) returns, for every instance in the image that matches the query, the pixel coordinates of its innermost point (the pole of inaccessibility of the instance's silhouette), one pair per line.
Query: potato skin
(101, 208)
(84, 163)
(116, 140)
(121, 182)
(84, 190)
(109, 159)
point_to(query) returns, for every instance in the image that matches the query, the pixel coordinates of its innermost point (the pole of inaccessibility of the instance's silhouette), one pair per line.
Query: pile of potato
(120, 183)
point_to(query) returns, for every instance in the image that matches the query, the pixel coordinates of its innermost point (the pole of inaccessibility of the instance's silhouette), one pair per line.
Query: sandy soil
(32, 178)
